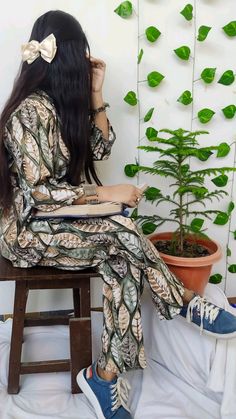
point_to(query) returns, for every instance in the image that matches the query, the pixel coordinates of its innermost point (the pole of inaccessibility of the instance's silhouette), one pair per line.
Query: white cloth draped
(189, 376)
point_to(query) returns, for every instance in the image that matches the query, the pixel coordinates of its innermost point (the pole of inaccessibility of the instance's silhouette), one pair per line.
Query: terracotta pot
(193, 272)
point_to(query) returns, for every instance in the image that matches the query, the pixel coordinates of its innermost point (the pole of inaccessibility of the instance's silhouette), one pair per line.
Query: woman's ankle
(188, 296)
(105, 375)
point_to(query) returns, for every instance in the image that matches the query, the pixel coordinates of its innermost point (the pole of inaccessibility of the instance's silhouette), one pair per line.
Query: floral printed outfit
(39, 161)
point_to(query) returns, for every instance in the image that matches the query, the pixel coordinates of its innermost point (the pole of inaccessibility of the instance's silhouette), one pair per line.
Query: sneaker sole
(86, 389)
(226, 336)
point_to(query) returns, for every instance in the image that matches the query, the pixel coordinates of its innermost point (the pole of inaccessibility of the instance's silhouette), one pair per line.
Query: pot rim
(183, 261)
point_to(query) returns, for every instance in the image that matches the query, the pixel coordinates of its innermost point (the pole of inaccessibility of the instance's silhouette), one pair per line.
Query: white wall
(115, 41)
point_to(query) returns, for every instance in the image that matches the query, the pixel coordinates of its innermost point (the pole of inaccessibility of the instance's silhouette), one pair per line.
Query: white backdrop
(115, 40)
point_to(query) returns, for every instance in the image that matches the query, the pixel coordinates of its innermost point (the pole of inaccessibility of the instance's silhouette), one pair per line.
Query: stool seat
(40, 277)
(10, 273)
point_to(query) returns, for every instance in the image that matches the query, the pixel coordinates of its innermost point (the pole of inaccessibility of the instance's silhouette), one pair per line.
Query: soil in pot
(190, 249)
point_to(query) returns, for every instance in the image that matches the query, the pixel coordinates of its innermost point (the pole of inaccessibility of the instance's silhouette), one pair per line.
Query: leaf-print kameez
(39, 161)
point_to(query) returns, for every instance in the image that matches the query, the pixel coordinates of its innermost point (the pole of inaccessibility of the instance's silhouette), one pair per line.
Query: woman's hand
(128, 194)
(98, 73)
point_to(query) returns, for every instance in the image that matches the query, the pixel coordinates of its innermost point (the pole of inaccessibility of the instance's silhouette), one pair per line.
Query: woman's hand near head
(98, 73)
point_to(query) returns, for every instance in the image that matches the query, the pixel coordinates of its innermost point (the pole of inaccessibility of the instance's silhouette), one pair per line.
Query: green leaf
(230, 28)
(134, 214)
(234, 233)
(148, 115)
(203, 32)
(221, 219)
(125, 9)
(229, 111)
(205, 115)
(131, 170)
(203, 154)
(196, 224)
(232, 269)
(152, 33)
(140, 55)
(183, 52)
(231, 207)
(227, 78)
(223, 150)
(151, 133)
(228, 251)
(131, 98)
(152, 193)
(148, 228)
(187, 12)
(154, 78)
(220, 180)
(185, 98)
(208, 74)
(215, 279)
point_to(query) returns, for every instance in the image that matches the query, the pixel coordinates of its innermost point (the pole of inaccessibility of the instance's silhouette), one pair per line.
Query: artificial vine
(205, 115)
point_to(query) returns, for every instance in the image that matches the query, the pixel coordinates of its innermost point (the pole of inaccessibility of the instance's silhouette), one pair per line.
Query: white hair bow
(33, 49)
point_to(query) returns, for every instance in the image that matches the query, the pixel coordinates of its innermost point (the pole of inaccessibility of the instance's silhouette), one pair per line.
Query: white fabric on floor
(188, 376)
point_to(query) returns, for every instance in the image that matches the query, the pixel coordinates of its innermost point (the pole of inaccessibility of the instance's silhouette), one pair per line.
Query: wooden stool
(80, 325)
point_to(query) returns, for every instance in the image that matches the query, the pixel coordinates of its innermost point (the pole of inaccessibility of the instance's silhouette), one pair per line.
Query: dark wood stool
(79, 326)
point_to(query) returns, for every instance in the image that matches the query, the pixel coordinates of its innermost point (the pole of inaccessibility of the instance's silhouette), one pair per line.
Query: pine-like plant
(189, 201)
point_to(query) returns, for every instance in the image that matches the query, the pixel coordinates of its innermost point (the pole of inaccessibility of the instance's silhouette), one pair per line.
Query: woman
(49, 140)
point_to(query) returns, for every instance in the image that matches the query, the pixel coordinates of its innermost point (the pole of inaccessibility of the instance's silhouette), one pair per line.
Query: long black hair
(67, 80)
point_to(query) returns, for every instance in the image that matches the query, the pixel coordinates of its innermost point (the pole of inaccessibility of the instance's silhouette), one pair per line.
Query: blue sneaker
(211, 319)
(108, 398)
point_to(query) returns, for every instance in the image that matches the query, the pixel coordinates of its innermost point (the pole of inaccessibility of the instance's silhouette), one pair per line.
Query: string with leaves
(125, 10)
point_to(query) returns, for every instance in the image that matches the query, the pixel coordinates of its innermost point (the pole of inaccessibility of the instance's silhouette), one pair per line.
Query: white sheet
(188, 376)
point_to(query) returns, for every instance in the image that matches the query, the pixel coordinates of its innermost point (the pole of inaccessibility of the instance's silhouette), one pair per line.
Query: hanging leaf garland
(215, 279)
(187, 12)
(223, 150)
(151, 133)
(222, 218)
(203, 31)
(183, 52)
(232, 269)
(125, 9)
(229, 111)
(148, 115)
(205, 115)
(140, 56)
(220, 180)
(231, 207)
(131, 98)
(131, 170)
(185, 98)
(230, 28)
(154, 78)
(227, 78)
(152, 33)
(208, 74)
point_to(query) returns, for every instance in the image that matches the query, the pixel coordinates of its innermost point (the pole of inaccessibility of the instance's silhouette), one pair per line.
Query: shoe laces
(120, 394)
(206, 310)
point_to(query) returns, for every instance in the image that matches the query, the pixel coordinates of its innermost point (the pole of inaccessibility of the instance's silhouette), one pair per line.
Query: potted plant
(187, 250)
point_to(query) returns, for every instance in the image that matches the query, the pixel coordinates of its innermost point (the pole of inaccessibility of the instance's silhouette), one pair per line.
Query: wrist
(102, 193)
(96, 100)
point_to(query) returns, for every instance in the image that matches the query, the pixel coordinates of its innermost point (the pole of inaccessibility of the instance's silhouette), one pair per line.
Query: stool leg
(80, 348)
(76, 301)
(21, 294)
(85, 306)
(81, 299)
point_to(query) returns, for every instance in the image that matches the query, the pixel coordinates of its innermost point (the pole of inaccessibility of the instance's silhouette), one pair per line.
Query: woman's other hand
(128, 194)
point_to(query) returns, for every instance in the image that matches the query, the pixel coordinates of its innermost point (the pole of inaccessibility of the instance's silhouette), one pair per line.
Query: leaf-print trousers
(125, 259)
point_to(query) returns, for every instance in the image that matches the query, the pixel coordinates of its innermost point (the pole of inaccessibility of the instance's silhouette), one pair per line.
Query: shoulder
(35, 110)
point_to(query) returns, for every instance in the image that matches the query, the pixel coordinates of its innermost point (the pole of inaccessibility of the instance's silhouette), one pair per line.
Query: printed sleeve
(28, 141)
(101, 147)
